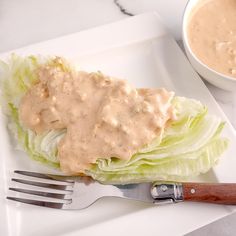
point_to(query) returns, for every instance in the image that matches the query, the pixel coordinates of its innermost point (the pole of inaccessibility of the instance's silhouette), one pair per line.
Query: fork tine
(39, 193)
(56, 205)
(45, 176)
(44, 185)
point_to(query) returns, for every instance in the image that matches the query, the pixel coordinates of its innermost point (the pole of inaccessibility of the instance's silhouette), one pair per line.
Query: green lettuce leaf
(190, 145)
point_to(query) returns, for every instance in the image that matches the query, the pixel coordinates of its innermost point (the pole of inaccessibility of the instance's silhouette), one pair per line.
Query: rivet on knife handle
(167, 192)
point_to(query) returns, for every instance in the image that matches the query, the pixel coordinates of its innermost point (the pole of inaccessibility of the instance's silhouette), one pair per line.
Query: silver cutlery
(64, 192)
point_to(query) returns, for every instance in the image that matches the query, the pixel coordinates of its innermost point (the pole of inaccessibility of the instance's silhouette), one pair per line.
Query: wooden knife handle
(210, 192)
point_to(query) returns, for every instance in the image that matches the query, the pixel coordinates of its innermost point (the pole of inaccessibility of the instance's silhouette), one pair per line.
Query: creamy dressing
(104, 117)
(212, 34)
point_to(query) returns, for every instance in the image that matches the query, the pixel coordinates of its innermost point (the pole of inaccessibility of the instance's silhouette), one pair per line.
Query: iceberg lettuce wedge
(190, 145)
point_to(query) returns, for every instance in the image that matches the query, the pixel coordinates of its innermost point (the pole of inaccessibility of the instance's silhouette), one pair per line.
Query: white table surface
(29, 21)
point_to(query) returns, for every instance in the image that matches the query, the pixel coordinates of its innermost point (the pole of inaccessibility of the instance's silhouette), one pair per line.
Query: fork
(64, 192)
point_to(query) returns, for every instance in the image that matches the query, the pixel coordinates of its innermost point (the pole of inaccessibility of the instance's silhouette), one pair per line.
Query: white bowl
(218, 79)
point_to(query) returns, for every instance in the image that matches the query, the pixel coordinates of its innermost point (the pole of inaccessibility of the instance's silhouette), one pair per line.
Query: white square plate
(141, 50)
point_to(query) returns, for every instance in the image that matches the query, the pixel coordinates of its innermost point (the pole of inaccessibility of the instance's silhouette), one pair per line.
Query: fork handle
(210, 192)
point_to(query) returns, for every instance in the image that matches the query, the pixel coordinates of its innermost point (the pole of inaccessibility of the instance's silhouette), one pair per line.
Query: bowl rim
(186, 13)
